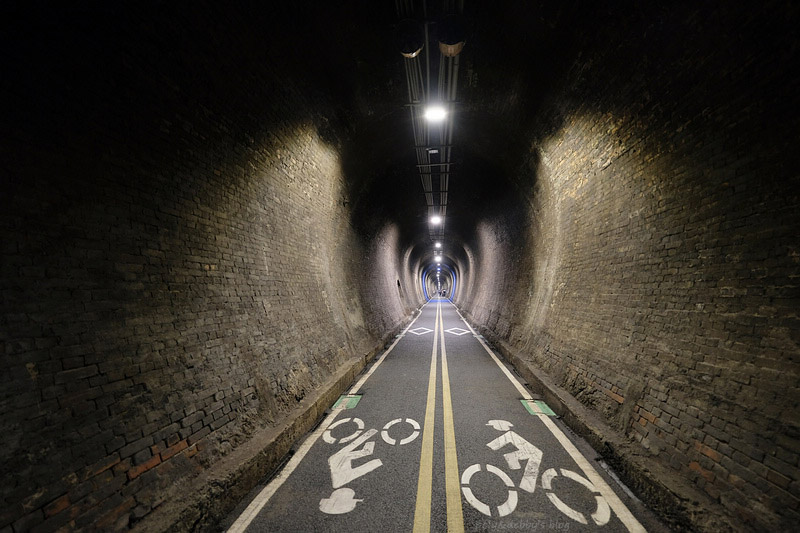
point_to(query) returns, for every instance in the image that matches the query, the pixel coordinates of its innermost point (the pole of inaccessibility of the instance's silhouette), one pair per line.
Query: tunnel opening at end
(439, 281)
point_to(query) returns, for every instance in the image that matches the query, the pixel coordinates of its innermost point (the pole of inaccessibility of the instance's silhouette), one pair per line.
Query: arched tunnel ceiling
(506, 67)
(517, 55)
(343, 56)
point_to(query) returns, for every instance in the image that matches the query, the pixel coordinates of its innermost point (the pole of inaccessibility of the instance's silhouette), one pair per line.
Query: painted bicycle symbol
(342, 499)
(526, 452)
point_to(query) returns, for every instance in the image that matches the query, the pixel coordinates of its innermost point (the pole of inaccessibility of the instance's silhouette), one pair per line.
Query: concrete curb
(680, 505)
(199, 504)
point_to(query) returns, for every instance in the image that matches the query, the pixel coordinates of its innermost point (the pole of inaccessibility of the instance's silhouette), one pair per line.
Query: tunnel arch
(430, 284)
(203, 229)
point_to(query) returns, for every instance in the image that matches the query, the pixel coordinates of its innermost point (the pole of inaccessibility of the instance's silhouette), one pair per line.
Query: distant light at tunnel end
(436, 220)
(435, 113)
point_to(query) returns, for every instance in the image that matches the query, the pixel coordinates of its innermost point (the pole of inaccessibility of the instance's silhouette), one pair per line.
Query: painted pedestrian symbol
(341, 463)
(525, 452)
(359, 446)
(341, 501)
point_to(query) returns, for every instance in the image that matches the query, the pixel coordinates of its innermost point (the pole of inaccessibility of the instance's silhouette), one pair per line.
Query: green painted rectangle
(538, 407)
(347, 401)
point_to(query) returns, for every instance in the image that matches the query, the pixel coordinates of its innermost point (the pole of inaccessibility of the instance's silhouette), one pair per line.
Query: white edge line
(522, 390)
(266, 493)
(625, 516)
(272, 487)
(599, 483)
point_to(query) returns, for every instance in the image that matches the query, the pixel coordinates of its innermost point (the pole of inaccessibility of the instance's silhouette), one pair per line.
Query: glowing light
(438, 245)
(438, 258)
(436, 219)
(435, 113)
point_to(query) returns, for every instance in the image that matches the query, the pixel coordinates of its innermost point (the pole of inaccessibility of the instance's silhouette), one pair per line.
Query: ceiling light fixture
(435, 113)
(438, 245)
(436, 219)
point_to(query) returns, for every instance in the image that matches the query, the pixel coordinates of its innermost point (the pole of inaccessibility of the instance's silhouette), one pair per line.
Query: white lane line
(267, 492)
(522, 390)
(625, 516)
(599, 483)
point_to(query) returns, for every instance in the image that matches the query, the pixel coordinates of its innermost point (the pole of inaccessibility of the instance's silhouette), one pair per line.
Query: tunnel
(216, 215)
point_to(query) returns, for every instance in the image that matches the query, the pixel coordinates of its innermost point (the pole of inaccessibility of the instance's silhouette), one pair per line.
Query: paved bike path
(436, 438)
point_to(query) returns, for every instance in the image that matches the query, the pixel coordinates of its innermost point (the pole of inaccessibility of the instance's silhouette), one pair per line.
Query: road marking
(600, 517)
(389, 440)
(330, 439)
(341, 463)
(500, 425)
(525, 451)
(366, 376)
(347, 401)
(422, 512)
(341, 501)
(267, 492)
(602, 487)
(455, 514)
(625, 516)
(537, 407)
(525, 394)
(502, 510)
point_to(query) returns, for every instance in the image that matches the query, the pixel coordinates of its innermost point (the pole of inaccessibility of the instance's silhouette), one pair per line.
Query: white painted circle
(506, 508)
(600, 516)
(389, 440)
(330, 439)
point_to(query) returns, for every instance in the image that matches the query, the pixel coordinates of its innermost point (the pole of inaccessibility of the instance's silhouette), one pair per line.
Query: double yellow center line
(422, 513)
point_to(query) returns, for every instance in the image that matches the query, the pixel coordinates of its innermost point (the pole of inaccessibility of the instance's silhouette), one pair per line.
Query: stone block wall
(179, 267)
(656, 277)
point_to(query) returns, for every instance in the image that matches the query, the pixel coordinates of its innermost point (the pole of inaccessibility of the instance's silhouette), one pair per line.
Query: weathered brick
(29, 521)
(172, 450)
(650, 239)
(136, 446)
(138, 470)
(778, 479)
(199, 435)
(56, 506)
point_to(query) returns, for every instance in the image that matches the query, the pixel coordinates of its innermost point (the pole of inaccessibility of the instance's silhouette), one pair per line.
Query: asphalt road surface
(440, 435)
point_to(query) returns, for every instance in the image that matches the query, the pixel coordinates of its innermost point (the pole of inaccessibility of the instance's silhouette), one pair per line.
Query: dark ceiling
(343, 57)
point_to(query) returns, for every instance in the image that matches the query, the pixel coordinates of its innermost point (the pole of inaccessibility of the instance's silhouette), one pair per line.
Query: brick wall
(179, 267)
(656, 274)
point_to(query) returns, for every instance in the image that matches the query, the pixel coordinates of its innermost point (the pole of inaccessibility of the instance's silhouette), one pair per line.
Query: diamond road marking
(456, 331)
(420, 331)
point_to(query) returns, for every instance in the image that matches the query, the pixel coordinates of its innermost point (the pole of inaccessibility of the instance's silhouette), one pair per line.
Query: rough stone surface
(653, 271)
(207, 215)
(179, 269)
